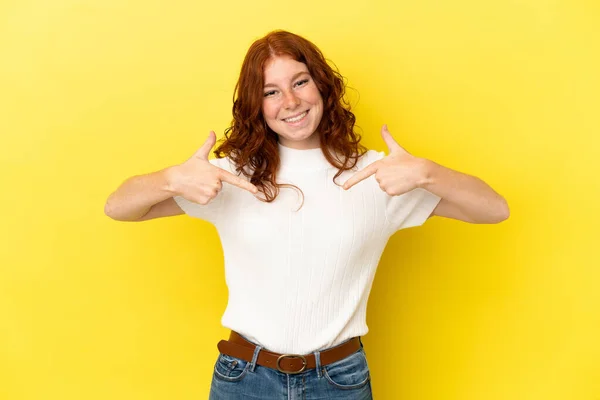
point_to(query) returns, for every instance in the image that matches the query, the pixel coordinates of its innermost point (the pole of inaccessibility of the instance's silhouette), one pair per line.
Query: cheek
(269, 111)
(317, 99)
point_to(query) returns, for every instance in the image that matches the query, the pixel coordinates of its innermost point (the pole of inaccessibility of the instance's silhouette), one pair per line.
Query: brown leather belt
(238, 346)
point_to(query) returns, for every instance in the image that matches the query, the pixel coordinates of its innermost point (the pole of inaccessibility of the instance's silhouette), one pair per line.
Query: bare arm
(464, 197)
(149, 196)
(143, 197)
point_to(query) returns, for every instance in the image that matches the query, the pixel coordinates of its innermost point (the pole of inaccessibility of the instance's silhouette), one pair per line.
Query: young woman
(304, 212)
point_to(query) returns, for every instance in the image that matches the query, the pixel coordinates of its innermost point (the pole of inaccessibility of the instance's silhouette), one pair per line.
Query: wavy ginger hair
(249, 142)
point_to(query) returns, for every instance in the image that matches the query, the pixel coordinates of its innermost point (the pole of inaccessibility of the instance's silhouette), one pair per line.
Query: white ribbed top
(299, 281)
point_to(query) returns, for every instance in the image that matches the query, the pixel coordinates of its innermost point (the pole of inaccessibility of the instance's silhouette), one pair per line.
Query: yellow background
(94, 92)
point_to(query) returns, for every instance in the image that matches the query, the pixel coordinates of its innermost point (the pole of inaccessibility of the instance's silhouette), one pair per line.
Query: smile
(297, 118)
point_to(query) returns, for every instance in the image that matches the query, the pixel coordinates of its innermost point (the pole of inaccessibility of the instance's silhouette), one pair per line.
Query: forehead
(282, 69)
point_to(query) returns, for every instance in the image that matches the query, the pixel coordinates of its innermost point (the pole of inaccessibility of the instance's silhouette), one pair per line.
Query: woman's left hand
(397, 173)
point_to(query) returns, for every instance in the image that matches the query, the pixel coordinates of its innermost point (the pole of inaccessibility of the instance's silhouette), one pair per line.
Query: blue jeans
(237, 379)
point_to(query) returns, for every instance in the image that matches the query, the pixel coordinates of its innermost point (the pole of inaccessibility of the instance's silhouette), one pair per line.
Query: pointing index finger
(360, 176)
(228, 177)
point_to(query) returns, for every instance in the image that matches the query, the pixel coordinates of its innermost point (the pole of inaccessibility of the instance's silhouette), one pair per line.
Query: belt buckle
(289, 356)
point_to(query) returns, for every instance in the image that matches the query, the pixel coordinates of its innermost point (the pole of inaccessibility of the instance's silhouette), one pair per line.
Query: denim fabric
(237, 379)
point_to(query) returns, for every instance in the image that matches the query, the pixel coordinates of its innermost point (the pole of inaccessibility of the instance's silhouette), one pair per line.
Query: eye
(269, 93)
(302, 82)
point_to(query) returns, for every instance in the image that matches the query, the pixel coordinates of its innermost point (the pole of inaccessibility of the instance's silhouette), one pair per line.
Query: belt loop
(257, 349)
(318, 362)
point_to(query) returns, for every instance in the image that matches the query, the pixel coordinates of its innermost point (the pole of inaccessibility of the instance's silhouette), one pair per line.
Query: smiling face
(292, 105)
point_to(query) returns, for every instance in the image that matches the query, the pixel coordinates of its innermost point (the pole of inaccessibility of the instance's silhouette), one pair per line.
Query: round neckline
(302, 160)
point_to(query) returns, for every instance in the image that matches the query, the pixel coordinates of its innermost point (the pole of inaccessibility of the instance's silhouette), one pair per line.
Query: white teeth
(298, 118)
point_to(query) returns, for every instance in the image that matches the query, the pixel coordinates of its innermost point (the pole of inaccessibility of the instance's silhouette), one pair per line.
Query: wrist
(427, 174)
(170, 179)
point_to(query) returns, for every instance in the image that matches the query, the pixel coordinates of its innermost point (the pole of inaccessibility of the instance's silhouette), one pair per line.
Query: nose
(290, 100)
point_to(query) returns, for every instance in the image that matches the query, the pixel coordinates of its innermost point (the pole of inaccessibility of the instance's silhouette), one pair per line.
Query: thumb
(204, 151)
(392, 145)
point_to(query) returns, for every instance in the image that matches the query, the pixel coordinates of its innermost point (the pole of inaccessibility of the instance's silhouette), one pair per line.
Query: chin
(303, 135)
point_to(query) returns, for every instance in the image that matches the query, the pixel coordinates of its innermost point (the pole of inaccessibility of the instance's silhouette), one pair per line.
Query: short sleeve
(208, 212)
(409, 209)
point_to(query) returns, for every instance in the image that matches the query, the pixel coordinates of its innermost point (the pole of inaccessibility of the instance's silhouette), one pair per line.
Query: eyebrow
(297, 74)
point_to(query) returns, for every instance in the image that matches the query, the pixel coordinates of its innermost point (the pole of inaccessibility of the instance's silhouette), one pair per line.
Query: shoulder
(365, 159)
(369, 157)
(224, 163)
(228, 165)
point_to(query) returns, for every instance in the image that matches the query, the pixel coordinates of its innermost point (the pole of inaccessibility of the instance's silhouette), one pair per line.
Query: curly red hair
(253, 147)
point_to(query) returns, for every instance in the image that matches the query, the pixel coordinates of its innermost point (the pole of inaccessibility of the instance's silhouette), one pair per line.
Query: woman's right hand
(200, 181)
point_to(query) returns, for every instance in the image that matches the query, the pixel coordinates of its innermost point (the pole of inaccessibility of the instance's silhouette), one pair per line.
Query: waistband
(240, 347)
